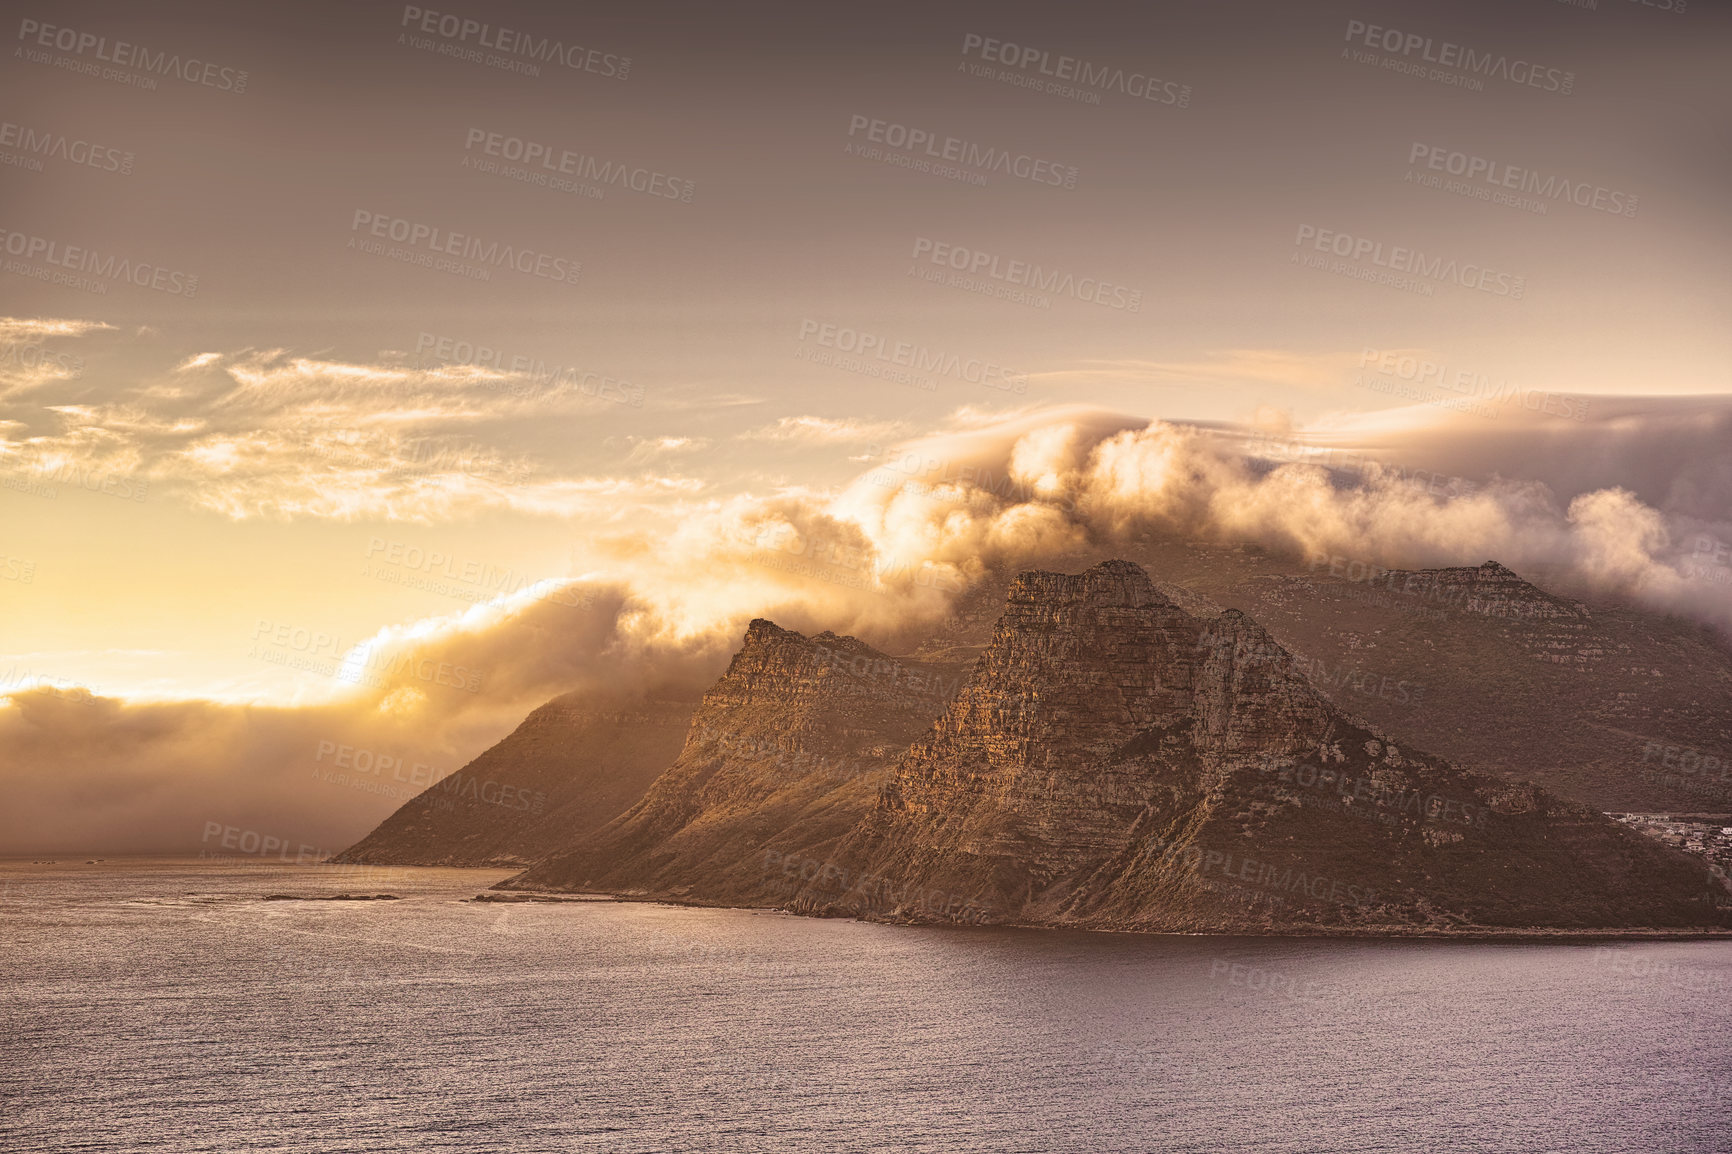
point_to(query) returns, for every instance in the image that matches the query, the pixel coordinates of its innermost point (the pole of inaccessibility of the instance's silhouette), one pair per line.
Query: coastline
(1515, 935)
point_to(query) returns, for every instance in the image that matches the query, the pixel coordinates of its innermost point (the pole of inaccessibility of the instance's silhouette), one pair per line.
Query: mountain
(571, 766)
(797, 735)
(1115, 761)
(1621, 709)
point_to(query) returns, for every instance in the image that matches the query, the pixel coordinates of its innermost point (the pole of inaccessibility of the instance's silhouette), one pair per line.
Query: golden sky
(498, 335)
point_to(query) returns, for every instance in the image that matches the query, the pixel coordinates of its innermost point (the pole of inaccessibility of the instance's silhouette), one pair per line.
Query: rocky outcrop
(787, 750)
(1115, 762)
(1606, 704)
(570, 767)
(1491, 590)
(1118, 763)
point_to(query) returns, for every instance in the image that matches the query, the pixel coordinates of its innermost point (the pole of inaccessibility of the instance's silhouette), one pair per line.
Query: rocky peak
(1490, 589)
(815, 692)
(791, 707)
(799, 732)
(763, 631)
(1087, 659)
(1110, 749)
(1086, 675)
(1109, 583)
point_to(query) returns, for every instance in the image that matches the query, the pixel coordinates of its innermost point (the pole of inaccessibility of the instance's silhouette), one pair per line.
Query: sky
(373, 372)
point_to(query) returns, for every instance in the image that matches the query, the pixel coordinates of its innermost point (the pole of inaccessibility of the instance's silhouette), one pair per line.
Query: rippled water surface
(166, 1006)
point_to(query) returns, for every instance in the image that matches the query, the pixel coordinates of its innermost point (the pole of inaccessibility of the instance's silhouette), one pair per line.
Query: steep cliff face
(1605, 704)
(571, 766)
(1044, 763)
(784, 754)
(1115, 762)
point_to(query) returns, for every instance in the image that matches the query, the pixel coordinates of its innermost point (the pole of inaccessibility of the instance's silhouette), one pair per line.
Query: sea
(179, 1006)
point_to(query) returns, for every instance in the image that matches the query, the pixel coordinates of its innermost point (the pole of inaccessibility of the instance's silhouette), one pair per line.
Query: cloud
(82, 772)
(1408, 489)
(1615, 504)
(1323, 372)
(41, 328)
(267, 433)
(647, 449)
(826, 430)
(36, 352)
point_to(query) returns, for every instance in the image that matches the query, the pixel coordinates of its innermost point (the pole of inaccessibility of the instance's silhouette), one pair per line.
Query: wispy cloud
(35, 352)
(827, 431)
(269, 433)
(1322, 372)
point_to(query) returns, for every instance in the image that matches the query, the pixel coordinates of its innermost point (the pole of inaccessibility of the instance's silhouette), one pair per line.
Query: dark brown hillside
(571, 766)
(1621, 709)
(1116, 762)
(788, 749)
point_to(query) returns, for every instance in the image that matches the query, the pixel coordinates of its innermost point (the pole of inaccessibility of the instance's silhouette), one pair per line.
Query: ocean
(152, 1005)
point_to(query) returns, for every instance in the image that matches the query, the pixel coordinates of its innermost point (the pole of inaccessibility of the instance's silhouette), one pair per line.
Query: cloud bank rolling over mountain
(882, 558)
(311, 487)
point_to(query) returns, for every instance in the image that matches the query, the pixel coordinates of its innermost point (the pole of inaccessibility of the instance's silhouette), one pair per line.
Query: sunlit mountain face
(369, 377)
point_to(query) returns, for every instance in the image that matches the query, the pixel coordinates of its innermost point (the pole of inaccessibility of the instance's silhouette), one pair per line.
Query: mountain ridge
(1110, 750)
